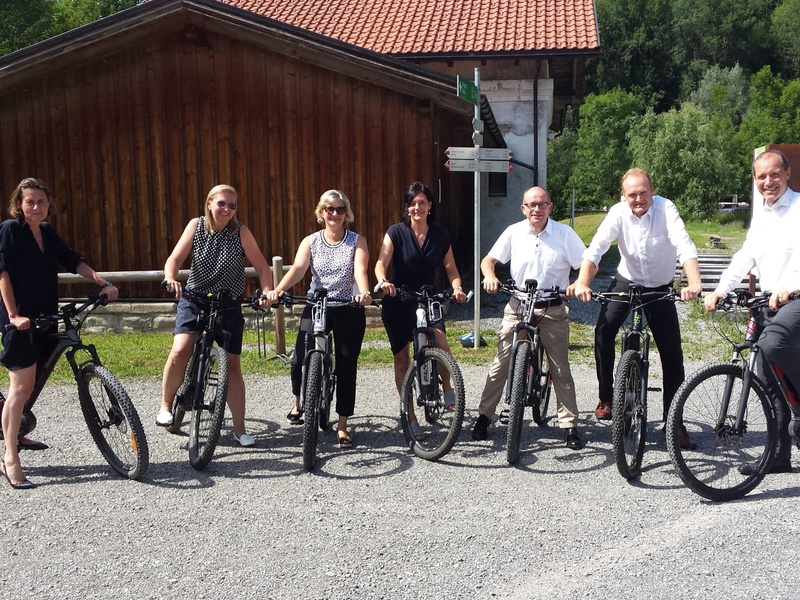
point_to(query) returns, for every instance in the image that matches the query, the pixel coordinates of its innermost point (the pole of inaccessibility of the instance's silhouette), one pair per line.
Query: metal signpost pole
(478, 141)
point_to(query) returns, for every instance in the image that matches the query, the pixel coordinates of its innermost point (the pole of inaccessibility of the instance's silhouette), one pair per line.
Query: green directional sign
(467, 90)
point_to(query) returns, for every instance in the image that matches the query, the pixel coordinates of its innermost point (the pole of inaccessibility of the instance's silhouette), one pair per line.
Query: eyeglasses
(339, 210)
(223, 204)
(535, 205)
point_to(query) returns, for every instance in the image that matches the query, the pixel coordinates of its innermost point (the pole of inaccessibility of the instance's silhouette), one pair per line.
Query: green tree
(636, 38)
(685, 152)
(786, 33)
(602, 154)
(561, 160)
(25, 22)
(722, 33)
(723, 92)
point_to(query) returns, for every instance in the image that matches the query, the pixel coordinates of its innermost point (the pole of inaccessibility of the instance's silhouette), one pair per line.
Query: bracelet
(106, 284)
(458, 287)
(367, 293)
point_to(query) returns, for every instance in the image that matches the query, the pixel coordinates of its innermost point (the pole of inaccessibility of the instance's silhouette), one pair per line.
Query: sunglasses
(339, 210)
(223, 204)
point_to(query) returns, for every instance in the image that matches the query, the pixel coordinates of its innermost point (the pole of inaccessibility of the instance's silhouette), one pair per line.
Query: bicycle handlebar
(745, 299)
(65, 313)
(630, 295)
(543, 295)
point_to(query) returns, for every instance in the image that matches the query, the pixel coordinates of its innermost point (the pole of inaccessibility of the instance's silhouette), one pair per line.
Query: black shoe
(779, 466)
(481, 430)
(572, 439)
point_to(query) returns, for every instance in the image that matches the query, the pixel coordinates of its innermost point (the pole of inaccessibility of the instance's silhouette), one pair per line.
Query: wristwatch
(106, 284)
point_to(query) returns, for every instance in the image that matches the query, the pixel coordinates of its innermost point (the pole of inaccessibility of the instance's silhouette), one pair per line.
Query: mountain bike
(529, 382)
(732, 413)
(433, 434)
(204, 390)
(318, 379)
(109, 413)
(629, 404)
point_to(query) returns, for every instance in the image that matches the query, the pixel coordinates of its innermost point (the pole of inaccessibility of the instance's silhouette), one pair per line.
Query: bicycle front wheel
(544, 387)
(113, 421)
(629, 415)
(516, 410)
(728, 462)
(431, 422)
(311, 409)
(208, 414)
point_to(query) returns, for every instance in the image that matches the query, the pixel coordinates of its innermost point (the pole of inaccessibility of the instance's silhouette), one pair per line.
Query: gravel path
(375, 522)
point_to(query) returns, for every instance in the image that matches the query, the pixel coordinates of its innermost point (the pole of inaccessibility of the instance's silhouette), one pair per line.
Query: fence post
(280, 324)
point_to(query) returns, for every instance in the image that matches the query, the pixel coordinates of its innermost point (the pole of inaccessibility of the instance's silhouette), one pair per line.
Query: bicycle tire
(712, 470)
(113, 421)
(440, 427)
(516, 410)
(311, 410)
(543, 389)
(629, 415)
(207, 418)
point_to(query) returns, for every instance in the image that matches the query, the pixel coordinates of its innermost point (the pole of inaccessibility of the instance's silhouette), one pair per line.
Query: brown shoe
(603, 411)
(684, 441)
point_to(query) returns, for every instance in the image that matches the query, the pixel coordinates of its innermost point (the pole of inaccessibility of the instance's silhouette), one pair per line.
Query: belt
(548, 303)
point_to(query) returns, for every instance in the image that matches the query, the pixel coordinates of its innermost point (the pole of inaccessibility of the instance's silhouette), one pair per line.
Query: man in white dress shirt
(650, 235)
(773, 246)
(545, 250)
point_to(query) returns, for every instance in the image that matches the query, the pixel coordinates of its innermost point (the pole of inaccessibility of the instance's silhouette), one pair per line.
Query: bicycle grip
(470, 295)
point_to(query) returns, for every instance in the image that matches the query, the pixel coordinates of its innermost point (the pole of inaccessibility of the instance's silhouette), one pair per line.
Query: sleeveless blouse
(218, 261)
(332, 265)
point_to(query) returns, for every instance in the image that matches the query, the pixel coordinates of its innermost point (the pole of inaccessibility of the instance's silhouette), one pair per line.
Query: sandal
(450, 399)
(345, 441)
(417, 431)
(295, 418)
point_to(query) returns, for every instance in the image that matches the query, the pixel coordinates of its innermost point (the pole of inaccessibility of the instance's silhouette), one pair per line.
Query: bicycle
(629, 403)
(423, 386)
(318, 379)
(529, 381)
(204, 390)
(734, 415)
(109, 413)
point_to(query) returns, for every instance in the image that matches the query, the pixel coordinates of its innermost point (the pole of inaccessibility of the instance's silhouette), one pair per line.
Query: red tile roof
(443, 27)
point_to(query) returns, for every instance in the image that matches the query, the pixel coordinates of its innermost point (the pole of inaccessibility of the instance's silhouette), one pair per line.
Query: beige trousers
(554, 334)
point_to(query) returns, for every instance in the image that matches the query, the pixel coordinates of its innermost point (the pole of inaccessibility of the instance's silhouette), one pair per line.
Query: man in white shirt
(650, 236)
(773, 247)
(545, 250)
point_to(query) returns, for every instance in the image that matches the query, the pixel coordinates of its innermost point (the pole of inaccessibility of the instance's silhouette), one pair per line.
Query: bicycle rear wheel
(311, 409)
(543, 388)
(516, 410)
(113, 421)
(423, 405)
(629, 415)
(727, 464)
(207, 417)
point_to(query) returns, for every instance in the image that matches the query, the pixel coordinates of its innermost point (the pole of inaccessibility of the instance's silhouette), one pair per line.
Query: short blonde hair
(233, 224)
(635, 172)
(326, 199)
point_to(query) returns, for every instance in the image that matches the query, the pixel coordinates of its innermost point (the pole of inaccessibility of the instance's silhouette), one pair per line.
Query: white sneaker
(246, 440)
(164, 418)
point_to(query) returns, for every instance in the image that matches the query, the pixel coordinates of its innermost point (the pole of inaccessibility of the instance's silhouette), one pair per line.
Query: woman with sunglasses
(218, 245)
(338, 260)
(415, 248)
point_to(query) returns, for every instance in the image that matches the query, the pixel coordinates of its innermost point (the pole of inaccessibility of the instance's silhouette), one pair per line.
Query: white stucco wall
(512, 104)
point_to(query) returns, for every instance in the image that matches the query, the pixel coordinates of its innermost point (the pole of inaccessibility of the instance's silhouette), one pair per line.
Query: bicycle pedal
(653, 389)
(504, 416)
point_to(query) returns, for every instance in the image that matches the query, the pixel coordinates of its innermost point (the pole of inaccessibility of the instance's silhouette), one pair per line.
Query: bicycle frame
(754, 329)
(67, 343)
(429, 309)
(318, 342)
(526, 333)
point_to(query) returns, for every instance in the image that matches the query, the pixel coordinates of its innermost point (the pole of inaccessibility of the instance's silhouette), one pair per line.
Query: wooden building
(132, 119)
